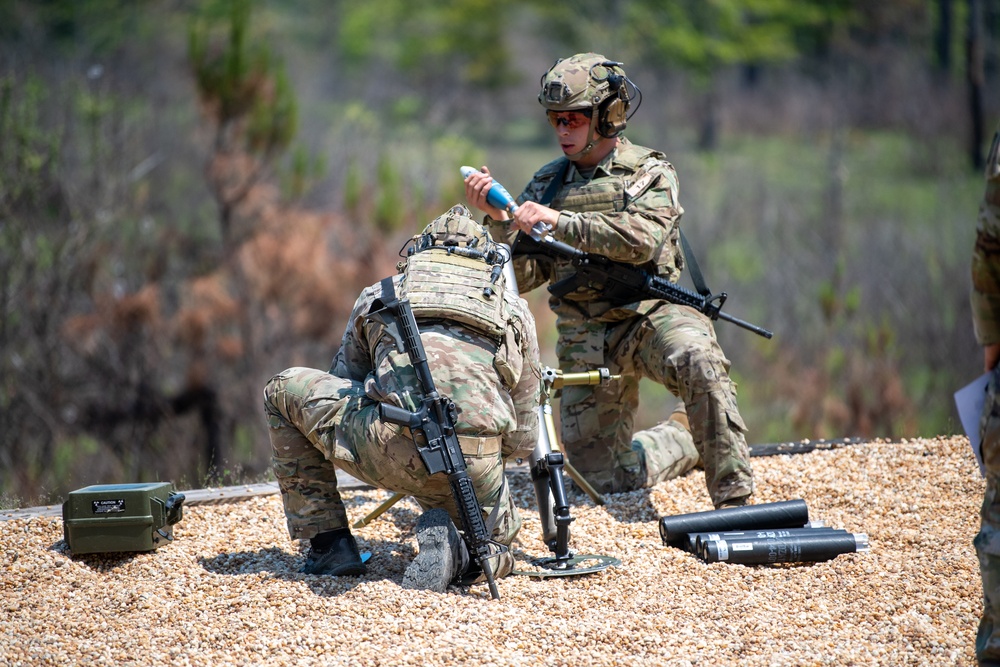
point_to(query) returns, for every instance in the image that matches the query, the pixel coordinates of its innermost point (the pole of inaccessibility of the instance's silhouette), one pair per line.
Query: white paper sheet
(969, 401)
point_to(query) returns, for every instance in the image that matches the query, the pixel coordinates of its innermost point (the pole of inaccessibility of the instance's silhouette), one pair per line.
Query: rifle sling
(388, 290)
(550, 192)
(693, 269)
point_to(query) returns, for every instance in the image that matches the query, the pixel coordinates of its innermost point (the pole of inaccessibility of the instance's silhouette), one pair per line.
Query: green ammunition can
(107, 518)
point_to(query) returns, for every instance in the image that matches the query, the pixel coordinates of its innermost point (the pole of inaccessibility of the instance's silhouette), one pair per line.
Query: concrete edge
(192, 497)
(211, 496)
(232, 494)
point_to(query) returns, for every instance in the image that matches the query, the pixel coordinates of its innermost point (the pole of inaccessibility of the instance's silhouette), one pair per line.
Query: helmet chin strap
(591, 139)
(576, 156)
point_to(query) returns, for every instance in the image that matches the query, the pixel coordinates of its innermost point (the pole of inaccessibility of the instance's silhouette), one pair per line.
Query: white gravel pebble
(227, 591)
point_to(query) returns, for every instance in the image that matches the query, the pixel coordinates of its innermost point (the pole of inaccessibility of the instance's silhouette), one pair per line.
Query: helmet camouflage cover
(456, 228)
(582, 81)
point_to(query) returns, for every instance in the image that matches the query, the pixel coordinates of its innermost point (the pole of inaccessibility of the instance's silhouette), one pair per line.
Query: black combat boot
(443, 555)
(334, 552)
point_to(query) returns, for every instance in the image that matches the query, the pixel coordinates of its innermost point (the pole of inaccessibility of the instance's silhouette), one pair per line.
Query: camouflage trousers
(987, 542)
(674, 346)
(319, 422)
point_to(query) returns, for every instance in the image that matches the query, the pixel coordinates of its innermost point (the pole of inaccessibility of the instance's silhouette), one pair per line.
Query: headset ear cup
(613, 116)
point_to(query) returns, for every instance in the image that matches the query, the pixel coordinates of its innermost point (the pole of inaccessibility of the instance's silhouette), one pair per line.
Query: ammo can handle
(174, 507)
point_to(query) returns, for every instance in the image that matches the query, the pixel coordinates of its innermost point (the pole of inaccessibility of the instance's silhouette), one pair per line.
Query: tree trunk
(942, 40)
(708, 132)
(974, 67)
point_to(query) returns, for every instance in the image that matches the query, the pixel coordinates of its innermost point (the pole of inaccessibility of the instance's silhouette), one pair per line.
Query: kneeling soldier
(481, 345)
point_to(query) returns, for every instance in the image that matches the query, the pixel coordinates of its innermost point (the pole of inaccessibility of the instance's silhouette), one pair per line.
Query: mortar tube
(540, 475)
(812, 549)
(697, 540)
(784, 514)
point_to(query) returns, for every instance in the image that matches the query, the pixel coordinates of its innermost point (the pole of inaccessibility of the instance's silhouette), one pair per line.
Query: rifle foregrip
(680, 295)
(476, 536)
(411, 339)
(472, 515)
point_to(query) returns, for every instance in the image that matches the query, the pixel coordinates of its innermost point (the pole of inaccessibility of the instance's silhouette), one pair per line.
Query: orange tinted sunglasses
(571, 119)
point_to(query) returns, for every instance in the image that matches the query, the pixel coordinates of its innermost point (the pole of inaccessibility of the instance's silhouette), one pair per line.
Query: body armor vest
(608, 194)
(449, 286)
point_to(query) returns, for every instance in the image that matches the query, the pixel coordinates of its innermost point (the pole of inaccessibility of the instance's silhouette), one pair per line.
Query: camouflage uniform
(323, 421)
(628, 210)
(986, 318)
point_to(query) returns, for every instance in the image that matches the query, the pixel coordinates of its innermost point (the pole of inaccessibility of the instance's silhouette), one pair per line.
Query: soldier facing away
(610, 197)
(985, 296)
(481, 347)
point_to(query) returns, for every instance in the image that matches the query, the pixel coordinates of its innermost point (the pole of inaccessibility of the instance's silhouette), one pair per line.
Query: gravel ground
(227, 591)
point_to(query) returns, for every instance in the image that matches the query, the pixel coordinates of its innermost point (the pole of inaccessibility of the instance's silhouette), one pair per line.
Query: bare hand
(530, 213)
(477, 185)
(991, 355)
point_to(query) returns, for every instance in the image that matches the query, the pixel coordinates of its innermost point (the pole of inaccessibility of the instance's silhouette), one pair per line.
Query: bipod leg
(553, 508)
(550, 442)
(582, 483)
(560, 508)
(380, 510)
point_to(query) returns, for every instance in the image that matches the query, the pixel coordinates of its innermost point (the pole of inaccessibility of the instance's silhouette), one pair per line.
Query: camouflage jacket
(494, 382)
(628, 210)
(986, 255)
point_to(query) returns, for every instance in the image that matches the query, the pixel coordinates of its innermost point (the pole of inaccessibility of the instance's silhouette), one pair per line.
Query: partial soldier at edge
(985, 297)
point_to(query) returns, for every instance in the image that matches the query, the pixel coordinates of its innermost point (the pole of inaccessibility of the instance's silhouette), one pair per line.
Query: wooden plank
(802, 447)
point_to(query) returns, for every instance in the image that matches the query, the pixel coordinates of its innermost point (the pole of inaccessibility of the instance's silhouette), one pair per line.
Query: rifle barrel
(760, 331)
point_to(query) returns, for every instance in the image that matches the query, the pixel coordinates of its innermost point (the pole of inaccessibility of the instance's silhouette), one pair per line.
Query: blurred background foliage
(193, 192)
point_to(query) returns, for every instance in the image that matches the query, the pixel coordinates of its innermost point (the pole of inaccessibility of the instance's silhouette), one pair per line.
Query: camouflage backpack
(454, 271)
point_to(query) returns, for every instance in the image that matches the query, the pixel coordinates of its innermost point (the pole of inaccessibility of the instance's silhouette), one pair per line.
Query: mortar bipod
(546, 466)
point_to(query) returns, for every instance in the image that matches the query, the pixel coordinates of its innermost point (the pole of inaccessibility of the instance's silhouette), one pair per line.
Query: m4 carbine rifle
(436, 420)
(628, 282)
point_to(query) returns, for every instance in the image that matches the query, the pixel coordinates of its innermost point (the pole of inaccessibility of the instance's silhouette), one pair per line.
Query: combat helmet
(591, 83)
(457, 232)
